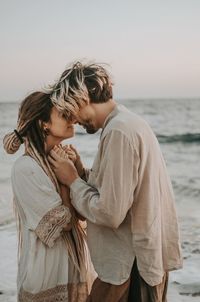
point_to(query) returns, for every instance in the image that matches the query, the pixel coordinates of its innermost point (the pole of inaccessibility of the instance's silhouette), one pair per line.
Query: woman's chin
(70, 133)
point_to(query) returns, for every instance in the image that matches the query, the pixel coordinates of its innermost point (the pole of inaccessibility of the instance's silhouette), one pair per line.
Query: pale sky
(152, 46)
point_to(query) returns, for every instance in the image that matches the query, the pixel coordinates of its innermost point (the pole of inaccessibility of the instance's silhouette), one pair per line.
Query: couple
(126, 198)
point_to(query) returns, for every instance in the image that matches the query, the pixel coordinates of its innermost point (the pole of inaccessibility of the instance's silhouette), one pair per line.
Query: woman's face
(58, 126)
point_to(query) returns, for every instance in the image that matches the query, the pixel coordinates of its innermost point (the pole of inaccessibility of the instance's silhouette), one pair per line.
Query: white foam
(8, 263)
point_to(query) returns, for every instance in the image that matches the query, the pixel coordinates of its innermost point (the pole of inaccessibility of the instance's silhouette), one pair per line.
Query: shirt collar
(112, 114)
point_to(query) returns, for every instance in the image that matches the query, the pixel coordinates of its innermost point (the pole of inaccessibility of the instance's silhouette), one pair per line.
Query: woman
(52, 265)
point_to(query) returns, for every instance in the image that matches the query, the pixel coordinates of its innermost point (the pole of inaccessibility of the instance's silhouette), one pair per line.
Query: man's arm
(117, 176)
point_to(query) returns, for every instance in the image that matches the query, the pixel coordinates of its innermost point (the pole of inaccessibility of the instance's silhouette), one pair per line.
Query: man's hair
(79, 85)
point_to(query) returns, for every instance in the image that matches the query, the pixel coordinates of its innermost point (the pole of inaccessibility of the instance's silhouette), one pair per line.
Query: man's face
(87, 118)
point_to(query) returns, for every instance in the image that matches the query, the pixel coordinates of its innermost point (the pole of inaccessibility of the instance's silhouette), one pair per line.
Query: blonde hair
(79, 85)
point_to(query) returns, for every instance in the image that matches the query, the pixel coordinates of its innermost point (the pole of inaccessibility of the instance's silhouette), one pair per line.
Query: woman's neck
(51, 142)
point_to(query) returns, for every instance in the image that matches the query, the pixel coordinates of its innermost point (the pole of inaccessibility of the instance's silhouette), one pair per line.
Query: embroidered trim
(52, 224)
(58, 293)
(61, 293)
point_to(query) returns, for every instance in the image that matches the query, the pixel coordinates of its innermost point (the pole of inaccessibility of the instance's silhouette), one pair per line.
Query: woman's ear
(46, 131)
(44, 127)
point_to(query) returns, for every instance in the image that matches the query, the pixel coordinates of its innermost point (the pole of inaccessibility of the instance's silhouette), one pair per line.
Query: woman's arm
(65, 196)
(65, 191)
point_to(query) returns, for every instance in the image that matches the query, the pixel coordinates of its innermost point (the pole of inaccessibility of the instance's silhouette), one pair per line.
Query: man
(127, 197)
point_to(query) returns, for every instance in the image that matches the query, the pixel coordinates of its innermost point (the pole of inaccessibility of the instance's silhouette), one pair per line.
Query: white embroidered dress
(44, 270)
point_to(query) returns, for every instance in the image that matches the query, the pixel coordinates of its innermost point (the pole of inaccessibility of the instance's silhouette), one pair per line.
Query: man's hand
(62, 166)
(75, 157)
(78, 163)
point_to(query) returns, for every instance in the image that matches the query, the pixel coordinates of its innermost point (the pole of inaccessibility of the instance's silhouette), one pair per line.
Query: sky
(152, 47)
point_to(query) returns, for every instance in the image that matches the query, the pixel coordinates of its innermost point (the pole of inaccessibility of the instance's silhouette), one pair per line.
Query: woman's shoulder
(25, 165)
(27, 172)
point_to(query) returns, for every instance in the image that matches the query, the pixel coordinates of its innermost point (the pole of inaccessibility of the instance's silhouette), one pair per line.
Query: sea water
(176, 124)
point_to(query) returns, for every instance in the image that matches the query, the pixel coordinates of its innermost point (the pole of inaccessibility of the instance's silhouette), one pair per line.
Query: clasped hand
(66, 164)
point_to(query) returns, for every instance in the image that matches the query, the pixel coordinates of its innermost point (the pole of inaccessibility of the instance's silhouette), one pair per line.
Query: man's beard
(89, 128)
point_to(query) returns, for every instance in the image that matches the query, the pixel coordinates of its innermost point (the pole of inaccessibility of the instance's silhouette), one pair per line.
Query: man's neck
(104, 110)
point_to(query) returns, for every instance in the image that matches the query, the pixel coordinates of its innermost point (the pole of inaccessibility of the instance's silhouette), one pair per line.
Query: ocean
(176, 124)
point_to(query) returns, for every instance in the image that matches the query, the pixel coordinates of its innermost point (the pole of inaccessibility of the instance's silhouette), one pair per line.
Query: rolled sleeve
(52, 223)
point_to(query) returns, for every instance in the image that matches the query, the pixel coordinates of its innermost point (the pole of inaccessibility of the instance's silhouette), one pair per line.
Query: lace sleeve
(52, 223)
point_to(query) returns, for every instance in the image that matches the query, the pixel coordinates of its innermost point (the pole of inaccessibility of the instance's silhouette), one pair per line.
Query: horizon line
(128, 99)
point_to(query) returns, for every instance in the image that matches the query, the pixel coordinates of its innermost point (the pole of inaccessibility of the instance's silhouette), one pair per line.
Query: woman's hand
(71, 152)
(65, 191)
(61, 151)
(75, 157)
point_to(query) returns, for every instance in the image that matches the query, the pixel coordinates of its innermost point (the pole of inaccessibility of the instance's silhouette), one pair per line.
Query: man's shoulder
(126, 121)
(131, 125)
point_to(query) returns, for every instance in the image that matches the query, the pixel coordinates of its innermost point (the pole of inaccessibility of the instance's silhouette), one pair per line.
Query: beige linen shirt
(129, 203)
